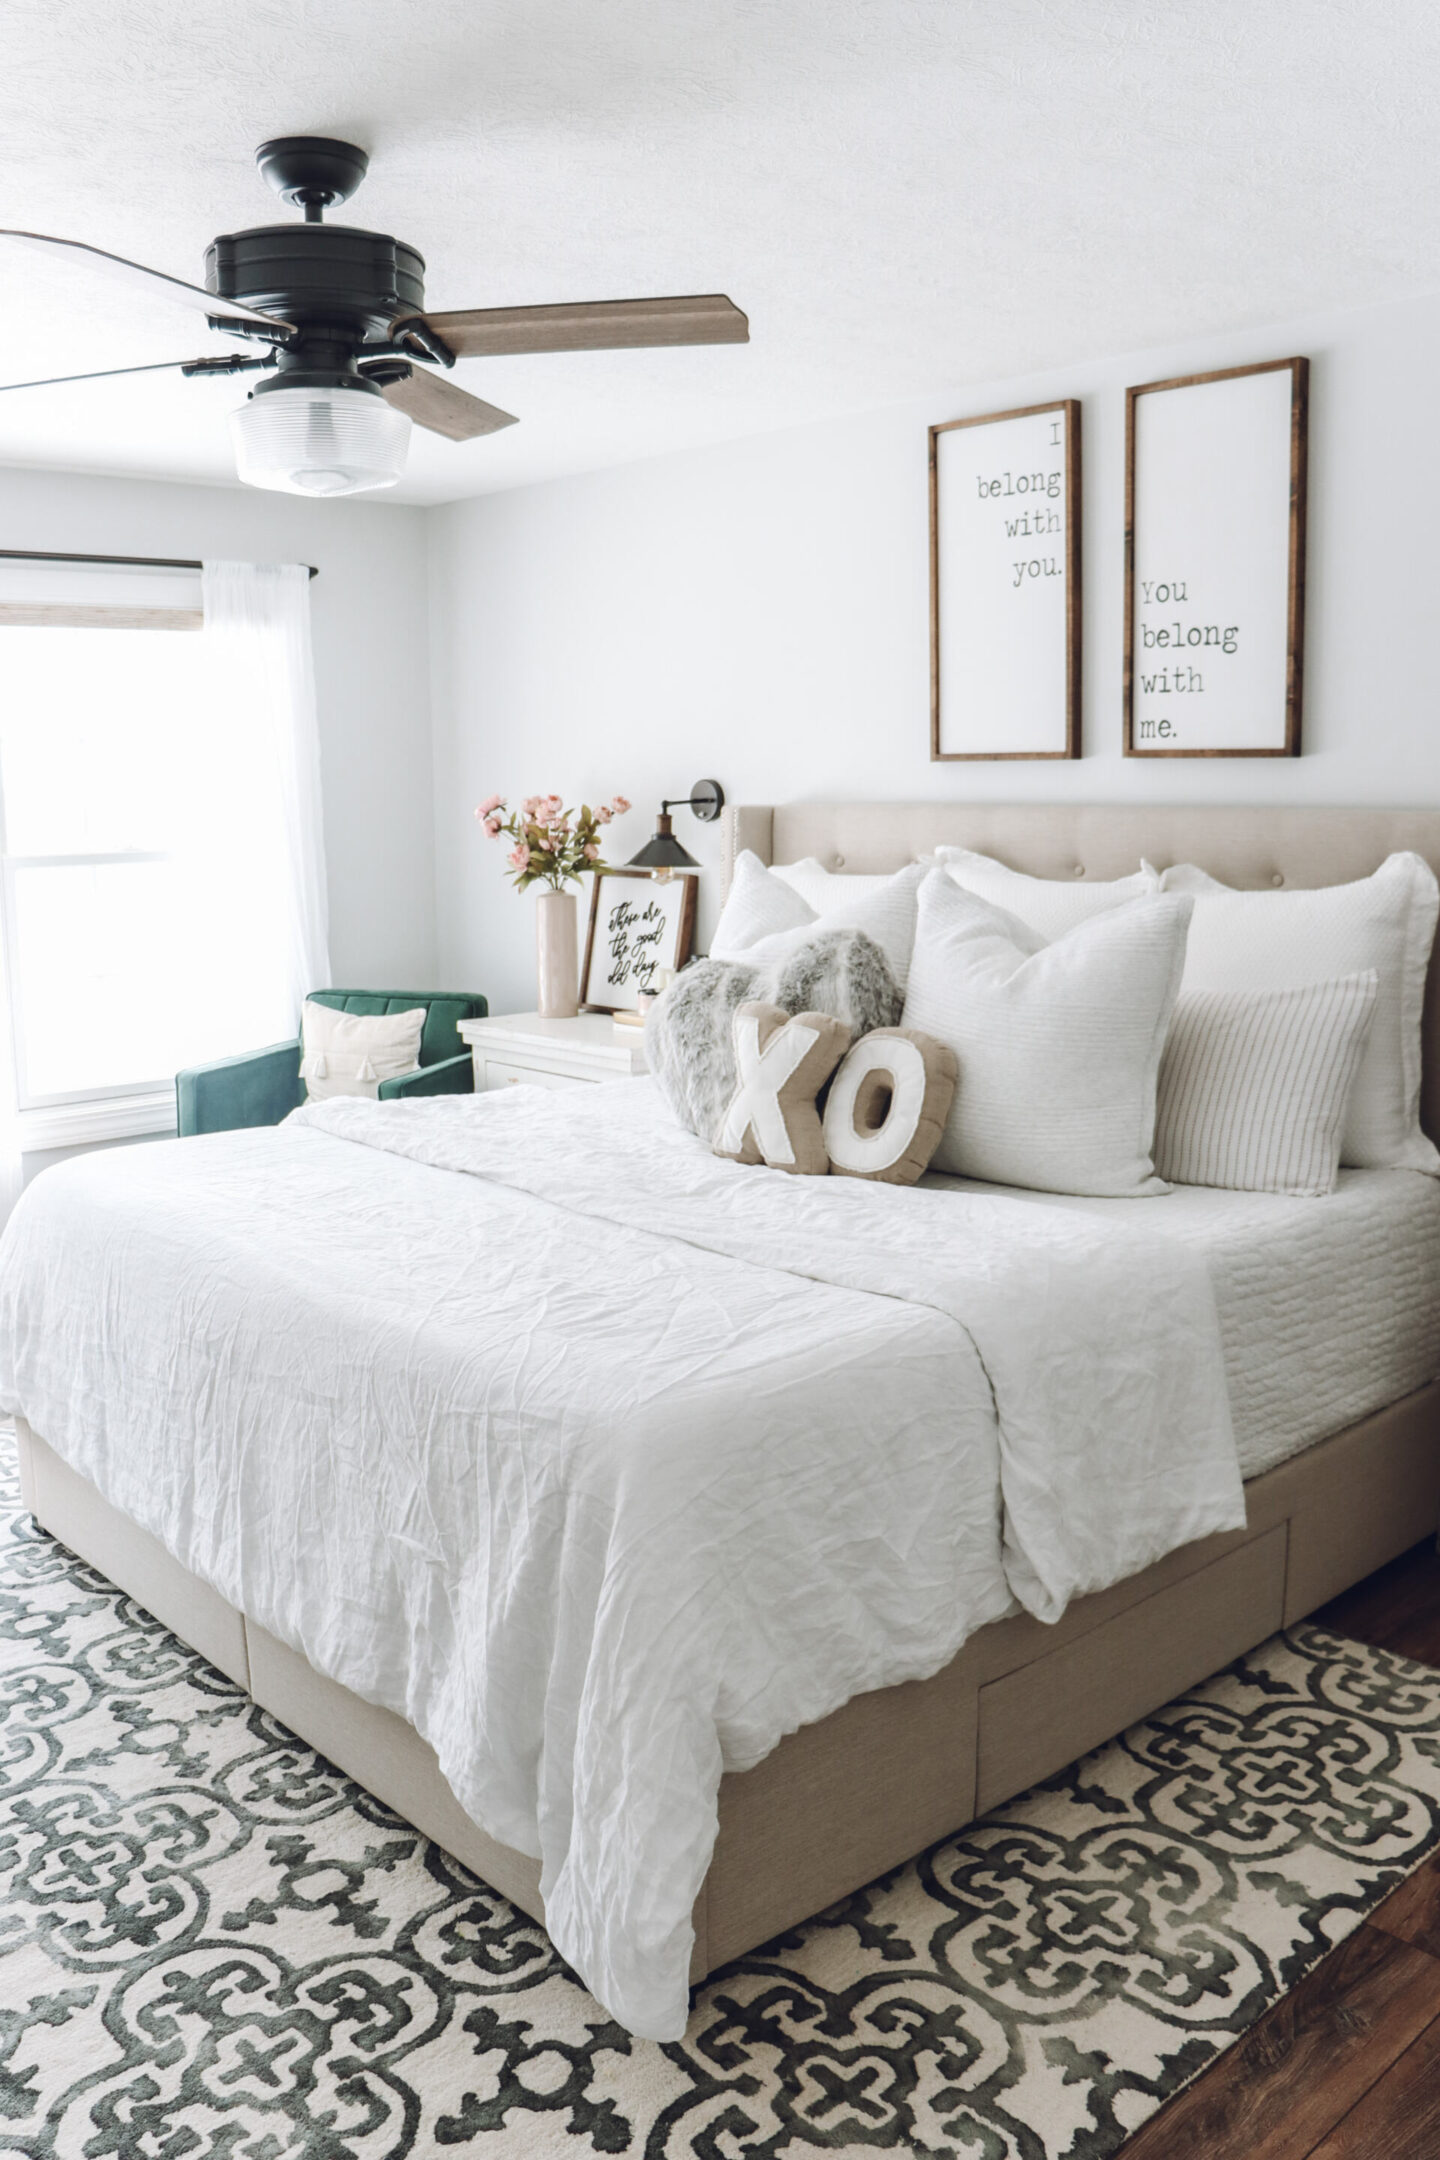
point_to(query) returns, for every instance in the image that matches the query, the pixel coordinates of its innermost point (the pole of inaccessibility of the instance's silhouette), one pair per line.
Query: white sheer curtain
(264, 844)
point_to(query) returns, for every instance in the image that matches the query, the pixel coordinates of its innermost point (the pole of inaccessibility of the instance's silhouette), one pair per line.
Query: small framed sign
(1005, 584)
(639, 924)
(1215, 563)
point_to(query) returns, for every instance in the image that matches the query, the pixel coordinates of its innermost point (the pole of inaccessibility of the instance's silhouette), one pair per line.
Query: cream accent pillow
(1050, 905)
(1058, 1045)
(351, 1053)
(1254, 1085)
(1281, 940)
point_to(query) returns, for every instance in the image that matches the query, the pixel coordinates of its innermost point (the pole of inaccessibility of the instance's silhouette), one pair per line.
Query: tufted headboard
(1253, 848)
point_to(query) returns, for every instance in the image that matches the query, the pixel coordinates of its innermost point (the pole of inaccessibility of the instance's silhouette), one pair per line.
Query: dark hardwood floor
(1347, 2066)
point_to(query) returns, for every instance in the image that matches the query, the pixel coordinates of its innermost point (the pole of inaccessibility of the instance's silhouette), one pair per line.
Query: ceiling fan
(343, 319)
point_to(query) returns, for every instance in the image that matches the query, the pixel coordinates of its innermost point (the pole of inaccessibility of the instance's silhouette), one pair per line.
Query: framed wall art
(1005, 584)
(1215, 562)
(639, 924)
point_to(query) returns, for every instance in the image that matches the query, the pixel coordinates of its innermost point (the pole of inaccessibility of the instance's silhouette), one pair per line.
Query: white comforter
(604, 1462)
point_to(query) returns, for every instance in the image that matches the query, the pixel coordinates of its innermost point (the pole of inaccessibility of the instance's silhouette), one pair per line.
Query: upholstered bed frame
(840, 1801)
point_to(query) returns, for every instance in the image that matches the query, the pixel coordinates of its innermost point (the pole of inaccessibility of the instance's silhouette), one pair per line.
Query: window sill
(88, 1124)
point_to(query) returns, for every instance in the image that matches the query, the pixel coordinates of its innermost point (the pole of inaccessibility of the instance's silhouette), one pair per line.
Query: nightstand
(521, 1049)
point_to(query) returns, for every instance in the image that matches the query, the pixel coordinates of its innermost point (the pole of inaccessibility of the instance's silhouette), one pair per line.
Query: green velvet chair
(265, 1085)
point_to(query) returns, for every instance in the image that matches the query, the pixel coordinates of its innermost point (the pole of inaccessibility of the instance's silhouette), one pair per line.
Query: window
(138, 934)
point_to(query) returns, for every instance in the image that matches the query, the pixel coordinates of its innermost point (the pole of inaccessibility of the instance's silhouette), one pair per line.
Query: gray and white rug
(215, 1947)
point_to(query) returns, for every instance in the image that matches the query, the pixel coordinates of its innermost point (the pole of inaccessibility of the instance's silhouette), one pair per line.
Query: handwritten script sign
(1216, 518)
(1005, 613)
(639, 928)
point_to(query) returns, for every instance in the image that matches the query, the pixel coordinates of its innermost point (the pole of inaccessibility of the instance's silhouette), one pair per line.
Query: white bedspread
(607, 1463)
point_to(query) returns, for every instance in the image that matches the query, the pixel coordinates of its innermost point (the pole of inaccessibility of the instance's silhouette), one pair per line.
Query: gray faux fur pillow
(689, 1032)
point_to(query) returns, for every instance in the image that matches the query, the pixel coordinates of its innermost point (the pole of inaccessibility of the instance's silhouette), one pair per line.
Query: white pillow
(757, 903)
(1280, 940)
(1254, 1085)
(764, 918)
(1050, 905)
(1058, 1045)
(351, 1053)
(820, 888)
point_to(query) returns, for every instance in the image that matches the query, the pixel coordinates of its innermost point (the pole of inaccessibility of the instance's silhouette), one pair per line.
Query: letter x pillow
(783, 1063)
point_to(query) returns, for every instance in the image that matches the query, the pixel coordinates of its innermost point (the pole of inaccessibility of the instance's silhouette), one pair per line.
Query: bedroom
(507, 1468)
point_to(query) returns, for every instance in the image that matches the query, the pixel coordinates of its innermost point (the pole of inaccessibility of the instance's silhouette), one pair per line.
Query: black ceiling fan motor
(334, 280)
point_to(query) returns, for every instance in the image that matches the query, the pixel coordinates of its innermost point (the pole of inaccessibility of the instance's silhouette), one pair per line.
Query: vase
(556, 955)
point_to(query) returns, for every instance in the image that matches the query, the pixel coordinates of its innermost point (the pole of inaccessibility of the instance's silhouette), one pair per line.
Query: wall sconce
(662, 855)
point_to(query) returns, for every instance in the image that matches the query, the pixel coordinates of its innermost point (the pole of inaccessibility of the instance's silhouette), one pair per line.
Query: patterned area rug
(212, 1944)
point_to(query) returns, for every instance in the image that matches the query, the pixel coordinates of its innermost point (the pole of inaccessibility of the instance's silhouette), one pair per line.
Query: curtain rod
(125, 562)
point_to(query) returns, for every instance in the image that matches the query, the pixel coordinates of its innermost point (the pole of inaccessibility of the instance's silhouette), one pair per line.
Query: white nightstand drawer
(499, 1074)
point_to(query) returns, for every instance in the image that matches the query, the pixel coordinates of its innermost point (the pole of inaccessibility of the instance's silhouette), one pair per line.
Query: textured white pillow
(1254, 1085)
(351, 1053)
(1280, 940)
(886, 914)
(822, 889)
(1050, 905)
(1058, 1045)
(757, 904)
(764, 918)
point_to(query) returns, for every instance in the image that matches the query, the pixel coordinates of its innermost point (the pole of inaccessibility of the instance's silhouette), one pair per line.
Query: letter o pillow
(783, 1063)
(888, 1104)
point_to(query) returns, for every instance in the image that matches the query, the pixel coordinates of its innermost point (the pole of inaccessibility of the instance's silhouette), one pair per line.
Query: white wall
(759, 612)
(369, 616)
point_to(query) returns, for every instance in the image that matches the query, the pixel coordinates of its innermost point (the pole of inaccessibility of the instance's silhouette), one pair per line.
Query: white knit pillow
(351, 1053)
(824, 889)
(1058, 1045)
(1280, 940)
(1050, 905)
(1254, 1085)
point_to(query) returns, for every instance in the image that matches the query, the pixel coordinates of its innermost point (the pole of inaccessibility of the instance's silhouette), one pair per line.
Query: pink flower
(531, 806)
(604, 814)
(548, 809)
(519, 856)
(592, 852)
(492, 827)
(489, 806)
(620, 805)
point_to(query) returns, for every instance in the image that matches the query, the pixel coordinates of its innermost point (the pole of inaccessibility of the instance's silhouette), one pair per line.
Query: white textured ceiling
(902, 194)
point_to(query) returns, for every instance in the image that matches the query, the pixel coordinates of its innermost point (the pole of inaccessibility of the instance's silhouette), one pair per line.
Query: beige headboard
(1254, 848)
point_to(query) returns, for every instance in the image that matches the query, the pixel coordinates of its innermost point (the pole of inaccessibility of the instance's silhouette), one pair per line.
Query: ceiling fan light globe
(319, 439)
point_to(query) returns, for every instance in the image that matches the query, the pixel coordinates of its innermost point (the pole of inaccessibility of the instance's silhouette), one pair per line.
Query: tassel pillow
(351, 1053)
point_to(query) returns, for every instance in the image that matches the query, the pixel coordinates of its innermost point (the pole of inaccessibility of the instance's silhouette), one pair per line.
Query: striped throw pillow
(1254, 1085)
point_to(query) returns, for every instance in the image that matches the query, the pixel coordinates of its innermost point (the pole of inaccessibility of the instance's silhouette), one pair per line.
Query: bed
(1327, 1320)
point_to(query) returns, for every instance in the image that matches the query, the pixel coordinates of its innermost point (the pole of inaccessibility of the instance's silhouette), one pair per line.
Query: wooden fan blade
(444, 408)
(154, 282)
(589, 326)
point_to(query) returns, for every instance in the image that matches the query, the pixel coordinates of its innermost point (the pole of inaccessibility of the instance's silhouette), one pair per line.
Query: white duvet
(604, 1462)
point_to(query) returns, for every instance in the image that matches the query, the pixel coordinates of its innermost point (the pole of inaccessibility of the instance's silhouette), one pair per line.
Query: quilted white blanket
(602, 1461)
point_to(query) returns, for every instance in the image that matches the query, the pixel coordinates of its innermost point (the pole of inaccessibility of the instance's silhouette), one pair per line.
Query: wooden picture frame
(631, 937)
(1004, 643)
(1215, 486)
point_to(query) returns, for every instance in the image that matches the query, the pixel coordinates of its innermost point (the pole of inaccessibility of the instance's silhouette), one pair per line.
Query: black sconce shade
(663, 851)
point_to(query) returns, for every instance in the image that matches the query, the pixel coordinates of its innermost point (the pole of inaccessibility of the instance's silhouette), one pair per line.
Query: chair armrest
(258, 1089)
(452, 1076)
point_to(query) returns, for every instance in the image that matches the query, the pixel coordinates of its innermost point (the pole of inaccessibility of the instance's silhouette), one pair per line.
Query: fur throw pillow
(689, 1031)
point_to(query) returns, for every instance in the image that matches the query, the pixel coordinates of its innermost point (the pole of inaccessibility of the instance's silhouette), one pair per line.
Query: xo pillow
(1050, 905)
(1288, 939)
(351, 1053)
(764, 919)
(783, 1061)
(1058, 1046)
